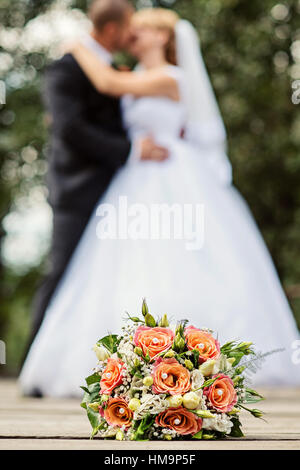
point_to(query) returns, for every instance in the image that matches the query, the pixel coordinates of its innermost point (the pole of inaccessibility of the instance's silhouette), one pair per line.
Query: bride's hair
(164, 20)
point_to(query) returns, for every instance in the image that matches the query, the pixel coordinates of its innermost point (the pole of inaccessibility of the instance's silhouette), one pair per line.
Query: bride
(227, 282)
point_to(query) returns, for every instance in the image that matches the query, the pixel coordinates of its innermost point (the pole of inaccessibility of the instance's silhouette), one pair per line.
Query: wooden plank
(73, 444)
(48, 423)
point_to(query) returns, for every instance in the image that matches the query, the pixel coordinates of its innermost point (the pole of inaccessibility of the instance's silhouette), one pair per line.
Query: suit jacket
(88, 141)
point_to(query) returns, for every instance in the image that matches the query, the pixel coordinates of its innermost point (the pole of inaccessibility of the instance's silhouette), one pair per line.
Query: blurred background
(252, 51)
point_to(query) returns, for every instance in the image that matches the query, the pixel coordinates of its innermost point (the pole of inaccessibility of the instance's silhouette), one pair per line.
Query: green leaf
(93, 417)
(97, 429)
(110, 342)
(238, 355)
(254, 393)
(227, 347)
(250, 398)
(142, 427)
(199, 435)
(209, 382)
(236, 430)
(92, 379)
(86, 399)
(150, 321)
(94, 391)
(196, 355)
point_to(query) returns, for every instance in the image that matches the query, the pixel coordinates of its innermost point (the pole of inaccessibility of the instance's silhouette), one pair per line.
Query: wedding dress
(229, 284)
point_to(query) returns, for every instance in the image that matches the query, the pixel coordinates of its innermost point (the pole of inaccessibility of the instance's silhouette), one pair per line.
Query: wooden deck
(61, 424)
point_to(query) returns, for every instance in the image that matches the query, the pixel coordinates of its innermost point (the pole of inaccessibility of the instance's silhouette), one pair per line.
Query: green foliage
(236, 430)
(252, 396)
(142, 427)
(110, 342)
(236, 350)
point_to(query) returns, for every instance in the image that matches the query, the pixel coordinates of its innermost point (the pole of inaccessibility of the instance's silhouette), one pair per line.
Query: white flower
(101, 352)
(153, 404)
(210, 367)
(191, 400)
(197, 379)
(221, 423)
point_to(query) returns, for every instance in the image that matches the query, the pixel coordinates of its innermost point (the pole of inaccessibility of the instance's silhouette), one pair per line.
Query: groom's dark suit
(88, 146)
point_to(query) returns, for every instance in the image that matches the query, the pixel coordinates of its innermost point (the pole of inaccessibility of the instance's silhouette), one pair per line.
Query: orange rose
(221, 395)
(170, 377)
(180, 420)
(117, 413)
(153, 340)
(202, 341)
(112, 375)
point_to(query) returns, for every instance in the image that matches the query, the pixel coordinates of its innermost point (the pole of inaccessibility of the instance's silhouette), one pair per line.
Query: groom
(88, 142)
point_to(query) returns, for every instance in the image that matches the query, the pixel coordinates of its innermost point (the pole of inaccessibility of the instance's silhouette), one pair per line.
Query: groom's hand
(149, 150)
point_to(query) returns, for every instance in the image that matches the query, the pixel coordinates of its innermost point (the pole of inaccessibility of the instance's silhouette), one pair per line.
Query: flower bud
(145, 309)
(169, 354)
(138, 351)
(134, 404)
(175, 401)
(119, 436)
(150, 321)
(209, 368)
(164, 321)
(136, 363)
(188, 364)
(237, 379)
(94, 406)
(179, 343)
(204, 414)
(245, 345)
(239, 370)
(191, 400)
(148, 381)
(101, 352)
(147, 357)
(256, 413)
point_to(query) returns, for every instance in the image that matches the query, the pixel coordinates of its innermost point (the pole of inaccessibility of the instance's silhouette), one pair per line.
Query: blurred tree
(22, 143)
(252, 51)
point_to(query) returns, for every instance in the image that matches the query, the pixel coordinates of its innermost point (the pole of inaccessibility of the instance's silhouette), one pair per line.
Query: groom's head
(111, 23)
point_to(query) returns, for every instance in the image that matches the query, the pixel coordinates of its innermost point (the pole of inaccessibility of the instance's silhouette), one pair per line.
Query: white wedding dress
(229, 285)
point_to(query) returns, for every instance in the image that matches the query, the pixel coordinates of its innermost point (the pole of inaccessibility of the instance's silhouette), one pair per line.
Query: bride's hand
(70, 46)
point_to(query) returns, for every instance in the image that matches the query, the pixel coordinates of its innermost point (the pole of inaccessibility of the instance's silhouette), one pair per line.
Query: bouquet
(156, 382)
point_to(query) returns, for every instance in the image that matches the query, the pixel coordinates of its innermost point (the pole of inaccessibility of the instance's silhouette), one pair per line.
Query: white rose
(209, 368)
(101, 352)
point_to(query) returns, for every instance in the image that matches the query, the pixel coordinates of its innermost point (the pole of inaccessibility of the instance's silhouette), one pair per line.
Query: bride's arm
(112, 82)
